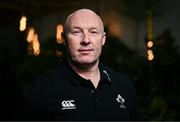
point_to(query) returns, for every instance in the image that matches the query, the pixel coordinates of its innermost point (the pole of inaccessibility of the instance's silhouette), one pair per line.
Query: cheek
(98, 44)
(72, 46)
(98, 48)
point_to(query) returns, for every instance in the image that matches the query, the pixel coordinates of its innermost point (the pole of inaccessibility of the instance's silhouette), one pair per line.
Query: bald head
(84, 37)
(85, 15)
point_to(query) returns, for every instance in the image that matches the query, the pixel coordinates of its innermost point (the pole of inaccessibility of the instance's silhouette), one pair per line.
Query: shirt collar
(105, 76)
(78, 80)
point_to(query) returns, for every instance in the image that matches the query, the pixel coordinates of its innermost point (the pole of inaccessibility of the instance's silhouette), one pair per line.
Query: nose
(85, 39)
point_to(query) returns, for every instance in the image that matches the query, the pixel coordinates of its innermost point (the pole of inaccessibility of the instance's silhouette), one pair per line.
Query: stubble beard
(82, 65)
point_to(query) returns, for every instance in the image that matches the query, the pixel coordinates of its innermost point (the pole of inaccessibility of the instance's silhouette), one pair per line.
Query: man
(80, 88)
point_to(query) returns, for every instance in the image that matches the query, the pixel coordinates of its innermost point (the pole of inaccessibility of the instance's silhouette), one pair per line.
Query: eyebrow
(75, 27)
(90, 28)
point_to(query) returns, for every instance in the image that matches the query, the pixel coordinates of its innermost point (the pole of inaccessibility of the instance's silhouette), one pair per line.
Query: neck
(89, 72)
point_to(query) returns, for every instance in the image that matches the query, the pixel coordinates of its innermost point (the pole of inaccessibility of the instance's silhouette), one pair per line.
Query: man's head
(84, 37)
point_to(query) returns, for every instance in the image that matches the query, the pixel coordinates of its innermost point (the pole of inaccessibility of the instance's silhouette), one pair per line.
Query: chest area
(85, 103)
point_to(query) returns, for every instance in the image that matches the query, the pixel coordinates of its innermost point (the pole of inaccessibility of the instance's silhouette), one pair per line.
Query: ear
(103, 39)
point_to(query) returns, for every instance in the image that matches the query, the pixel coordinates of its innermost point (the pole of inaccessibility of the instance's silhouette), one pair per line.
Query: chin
(88, 62)
(85, 62)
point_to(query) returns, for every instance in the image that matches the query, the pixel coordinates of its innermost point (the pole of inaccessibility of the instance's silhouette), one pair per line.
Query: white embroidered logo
(121, 101)
(68, 104)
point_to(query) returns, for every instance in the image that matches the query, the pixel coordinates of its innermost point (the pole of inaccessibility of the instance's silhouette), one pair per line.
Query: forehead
(84, 19)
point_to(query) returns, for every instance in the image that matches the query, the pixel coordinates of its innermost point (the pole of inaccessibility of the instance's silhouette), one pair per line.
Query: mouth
(85, 51)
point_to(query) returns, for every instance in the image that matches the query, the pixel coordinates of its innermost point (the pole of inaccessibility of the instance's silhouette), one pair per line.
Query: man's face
(84, 38)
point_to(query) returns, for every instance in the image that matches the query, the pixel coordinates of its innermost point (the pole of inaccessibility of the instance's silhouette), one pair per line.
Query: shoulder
(45, 83)
(120, 82)
(114, 75)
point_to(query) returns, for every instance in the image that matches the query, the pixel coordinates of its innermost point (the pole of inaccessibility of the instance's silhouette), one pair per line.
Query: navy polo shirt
(64, 95)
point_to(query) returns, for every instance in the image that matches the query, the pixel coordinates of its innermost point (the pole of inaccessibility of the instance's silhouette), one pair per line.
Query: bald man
(81, 88)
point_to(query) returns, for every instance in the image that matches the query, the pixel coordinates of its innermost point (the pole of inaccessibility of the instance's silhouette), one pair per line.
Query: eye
(94, 32)
(76, 32)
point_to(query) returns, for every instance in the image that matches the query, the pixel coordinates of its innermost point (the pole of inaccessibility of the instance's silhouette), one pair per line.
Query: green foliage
(158, 109)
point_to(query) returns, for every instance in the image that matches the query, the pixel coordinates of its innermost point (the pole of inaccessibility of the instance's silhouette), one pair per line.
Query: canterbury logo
(68, 104)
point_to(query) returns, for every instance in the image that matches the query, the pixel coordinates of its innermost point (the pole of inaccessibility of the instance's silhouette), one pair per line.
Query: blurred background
(143, 42)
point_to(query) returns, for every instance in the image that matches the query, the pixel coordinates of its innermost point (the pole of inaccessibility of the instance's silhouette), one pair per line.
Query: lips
(85, 51)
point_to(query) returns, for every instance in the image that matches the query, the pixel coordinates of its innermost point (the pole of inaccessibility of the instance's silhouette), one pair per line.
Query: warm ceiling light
(30, 35)
(150, 44)
(36, 45)
(150, 55)
(22, 22)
